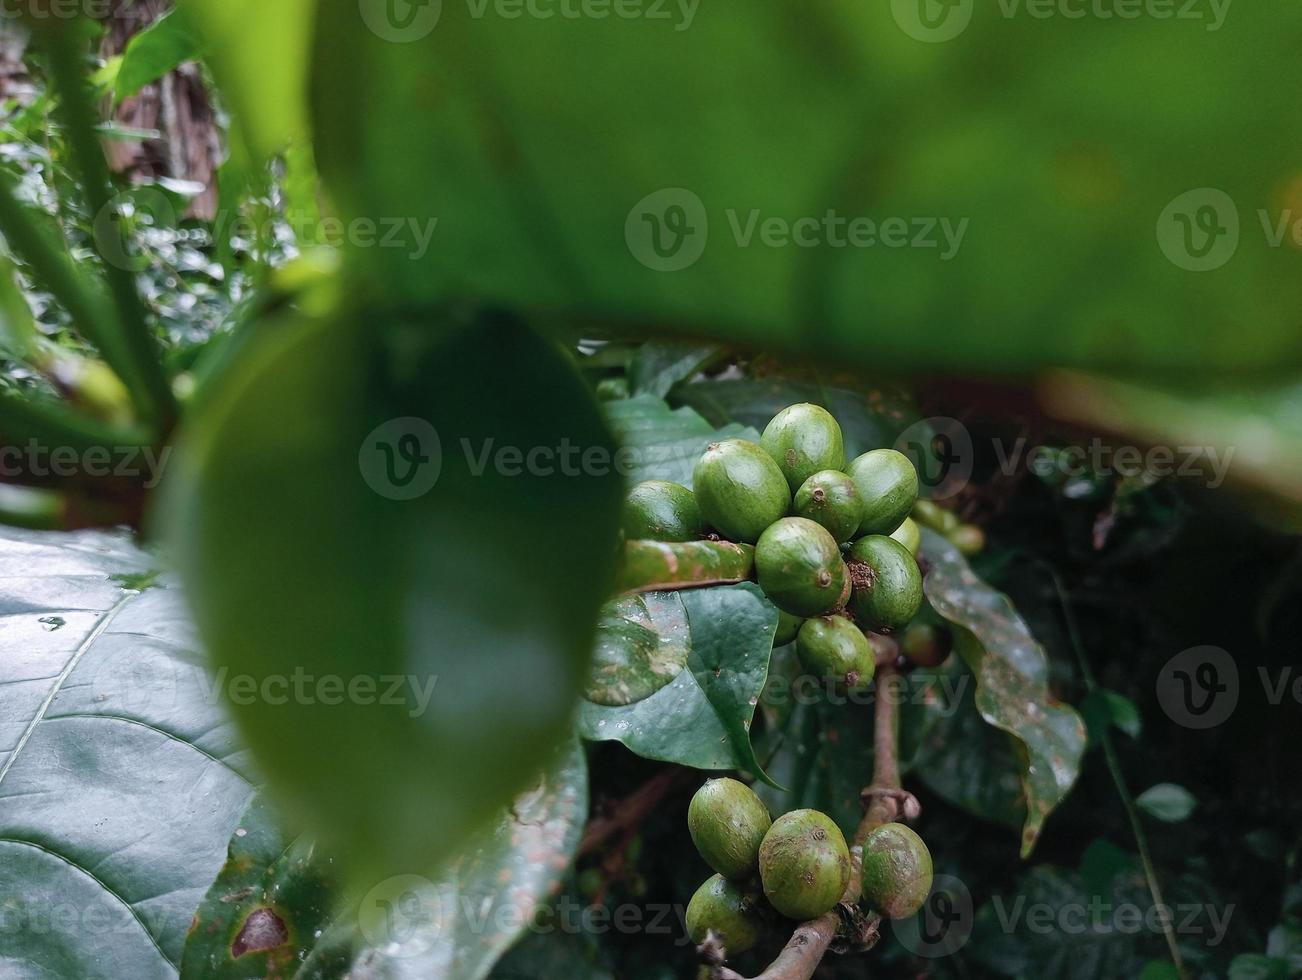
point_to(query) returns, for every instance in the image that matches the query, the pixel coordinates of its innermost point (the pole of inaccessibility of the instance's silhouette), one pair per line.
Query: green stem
(142, 355)
(1119, 780)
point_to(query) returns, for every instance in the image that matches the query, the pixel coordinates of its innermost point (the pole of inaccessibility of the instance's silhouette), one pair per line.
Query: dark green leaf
(659, 365)
(267, 908)
(1254, 966)
(661, 444)
(702, 719)
(1102, 708)
(1012, 676)
(353, 508)
(120, 778)
(642, 645)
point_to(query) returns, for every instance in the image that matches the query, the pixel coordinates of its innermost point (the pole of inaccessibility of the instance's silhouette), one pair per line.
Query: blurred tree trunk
(177, 106)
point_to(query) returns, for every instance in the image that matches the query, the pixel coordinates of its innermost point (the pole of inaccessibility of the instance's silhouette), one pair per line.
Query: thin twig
(1119, 780)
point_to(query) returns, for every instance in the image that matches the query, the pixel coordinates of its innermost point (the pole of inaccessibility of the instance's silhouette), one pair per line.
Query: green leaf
(277, 890)
(1159, 970)
(353, 502)
(664, 444)
(960, 757)
(658, 365)
(1012, 675)
(1060, 180)
(259, 54)
(659, 565)
(702, 719)
(154, 52)
(270, 902)
(1167, 802)
(1102, 708)
(120, 778)
(642, 645)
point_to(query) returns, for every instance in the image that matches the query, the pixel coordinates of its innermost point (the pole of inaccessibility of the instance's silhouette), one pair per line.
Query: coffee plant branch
(886, 802)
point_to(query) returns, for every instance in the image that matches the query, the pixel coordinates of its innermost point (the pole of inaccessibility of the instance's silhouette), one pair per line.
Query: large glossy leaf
(702, 717)
(361, 505)
(1012, 675)
(154, 52)
(120, 778)
(268, 913)
(1028, 204)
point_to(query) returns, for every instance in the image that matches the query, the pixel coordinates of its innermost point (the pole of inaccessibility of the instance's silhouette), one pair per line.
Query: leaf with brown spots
(1012, 675)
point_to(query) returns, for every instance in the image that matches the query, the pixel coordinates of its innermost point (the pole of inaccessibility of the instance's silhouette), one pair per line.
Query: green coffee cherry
(969, 539)
(740, 490)
(802, 440)
(887, 584)
(800, 568)
(788, 627)
(930, 514)
(888, 484)
(836, 649)
(804, 864)
(909, 535)
(926, 645)
(720, 906)
(896, 871)
(831, 499)
(727, 822)
(661, 511)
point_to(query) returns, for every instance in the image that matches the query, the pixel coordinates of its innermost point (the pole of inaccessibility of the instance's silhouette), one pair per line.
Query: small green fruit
(888, 484)
(800, 568)
(804, 864)
(930, 514)
(803, 440)
(896, 871)
(831, 499)
(887, 583)
(969, 539)
(722, 907)
(834, 648)
(909, 535)
(661, 511)
(740, 490)
(926, 645)
(727, 822)
(788, 627)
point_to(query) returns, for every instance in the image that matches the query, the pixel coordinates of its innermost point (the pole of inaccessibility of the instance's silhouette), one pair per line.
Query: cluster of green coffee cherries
(835, 546)
(797, 867)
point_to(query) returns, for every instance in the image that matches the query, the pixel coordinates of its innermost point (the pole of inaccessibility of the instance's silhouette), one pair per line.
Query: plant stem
(1119, 780)
(142, 364)
(809, 943)
(52, 425)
